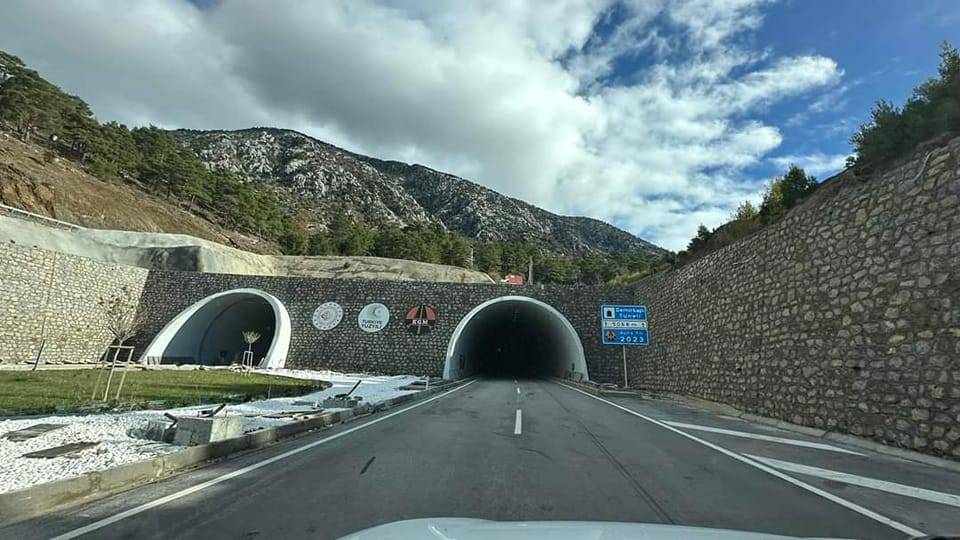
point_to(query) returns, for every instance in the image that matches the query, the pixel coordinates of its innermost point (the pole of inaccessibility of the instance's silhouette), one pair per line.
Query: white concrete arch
(195, 322)
(564, 340)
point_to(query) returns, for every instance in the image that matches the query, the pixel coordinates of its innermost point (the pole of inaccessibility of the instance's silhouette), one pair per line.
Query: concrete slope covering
(162, 251)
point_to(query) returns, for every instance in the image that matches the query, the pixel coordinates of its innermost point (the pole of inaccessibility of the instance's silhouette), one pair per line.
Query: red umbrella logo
(420, 319)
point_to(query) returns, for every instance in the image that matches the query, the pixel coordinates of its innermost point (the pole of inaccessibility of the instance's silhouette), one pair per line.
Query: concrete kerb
(23, 504)
(834, 436)
(598, 391)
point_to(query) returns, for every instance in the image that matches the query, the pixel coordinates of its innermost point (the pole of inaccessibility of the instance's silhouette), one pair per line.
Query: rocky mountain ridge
(324, 180)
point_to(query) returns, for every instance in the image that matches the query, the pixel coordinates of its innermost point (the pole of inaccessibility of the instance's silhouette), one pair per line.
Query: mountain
(322, 180)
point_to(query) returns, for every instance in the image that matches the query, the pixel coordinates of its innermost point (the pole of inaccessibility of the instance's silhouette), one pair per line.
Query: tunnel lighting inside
(515, 336)
(210, 332)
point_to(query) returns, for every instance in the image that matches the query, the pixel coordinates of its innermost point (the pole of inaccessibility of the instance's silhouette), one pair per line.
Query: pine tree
(745, 212)
(29, 103)
(455, 250)
(487, 257)
(795, 186)
(934, 109)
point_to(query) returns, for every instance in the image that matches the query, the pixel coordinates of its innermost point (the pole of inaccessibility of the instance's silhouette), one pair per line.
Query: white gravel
(117, 433)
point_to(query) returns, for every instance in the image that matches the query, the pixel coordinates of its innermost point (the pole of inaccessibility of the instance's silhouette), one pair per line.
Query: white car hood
(481, 529)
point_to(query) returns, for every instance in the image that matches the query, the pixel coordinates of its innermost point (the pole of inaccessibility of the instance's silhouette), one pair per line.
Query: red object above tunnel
(512, 279)
(420, 319)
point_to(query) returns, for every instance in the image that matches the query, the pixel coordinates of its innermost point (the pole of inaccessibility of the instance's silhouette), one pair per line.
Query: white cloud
(712, 22)
(525, 98)
(788, 77)
(817, 164)
(832, 101)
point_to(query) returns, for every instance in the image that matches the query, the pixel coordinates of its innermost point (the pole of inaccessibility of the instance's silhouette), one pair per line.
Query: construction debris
(314, 404)
(212, 412)
(346, 395)
(160, 431)
(32, 431)
(294, 415)
(66, 450)
(343, 401)
(203, 430)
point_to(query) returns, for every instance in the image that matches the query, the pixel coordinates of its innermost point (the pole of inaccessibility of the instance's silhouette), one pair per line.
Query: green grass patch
(47, 391)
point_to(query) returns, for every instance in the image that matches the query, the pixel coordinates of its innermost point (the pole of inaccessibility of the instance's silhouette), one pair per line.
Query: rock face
(327, 180)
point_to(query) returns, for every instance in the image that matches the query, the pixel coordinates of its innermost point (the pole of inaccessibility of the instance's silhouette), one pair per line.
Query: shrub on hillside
(780, 195)
(934, 109)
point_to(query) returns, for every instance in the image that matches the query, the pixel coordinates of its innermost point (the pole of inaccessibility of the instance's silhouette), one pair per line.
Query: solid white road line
(240, 472)
(873, 483)
(765, 468)
(516, 424)
(744, 434)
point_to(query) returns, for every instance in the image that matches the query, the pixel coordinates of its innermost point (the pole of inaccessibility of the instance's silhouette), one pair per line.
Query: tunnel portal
(515, 336)
(210, 332)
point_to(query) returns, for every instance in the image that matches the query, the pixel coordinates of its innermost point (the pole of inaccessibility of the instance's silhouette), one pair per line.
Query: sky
(653, 115)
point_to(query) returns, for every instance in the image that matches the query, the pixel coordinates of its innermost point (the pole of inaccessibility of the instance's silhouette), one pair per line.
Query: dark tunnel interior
(515, 346)
(516, 338)
(213, 335)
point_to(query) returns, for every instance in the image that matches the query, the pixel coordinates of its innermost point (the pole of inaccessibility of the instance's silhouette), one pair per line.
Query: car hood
(481, 529)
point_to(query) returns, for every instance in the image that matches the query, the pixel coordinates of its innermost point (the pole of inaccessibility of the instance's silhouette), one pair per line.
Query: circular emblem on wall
(327, 316)
(420, 319)
(373, 317)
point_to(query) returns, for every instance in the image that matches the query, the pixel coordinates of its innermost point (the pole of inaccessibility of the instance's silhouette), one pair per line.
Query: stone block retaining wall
(52, 298)
(845, 315)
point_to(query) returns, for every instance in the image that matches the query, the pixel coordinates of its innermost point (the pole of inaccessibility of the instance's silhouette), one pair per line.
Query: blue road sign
(624, 325)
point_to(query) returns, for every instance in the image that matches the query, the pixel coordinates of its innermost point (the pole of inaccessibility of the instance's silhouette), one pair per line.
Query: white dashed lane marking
(757, 436)
(517, 423)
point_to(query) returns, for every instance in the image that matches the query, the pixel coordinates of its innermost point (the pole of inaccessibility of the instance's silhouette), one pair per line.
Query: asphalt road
(570, 456)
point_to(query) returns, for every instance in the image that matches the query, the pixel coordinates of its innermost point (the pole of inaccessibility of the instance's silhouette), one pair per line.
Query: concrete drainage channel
(19, 505)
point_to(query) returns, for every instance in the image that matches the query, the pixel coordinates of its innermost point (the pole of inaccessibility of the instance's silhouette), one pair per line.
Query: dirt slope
(61, 190)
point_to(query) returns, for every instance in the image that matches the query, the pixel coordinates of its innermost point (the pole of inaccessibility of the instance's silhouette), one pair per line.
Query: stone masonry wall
(393, 350)
(52, 297)
(845, 315)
